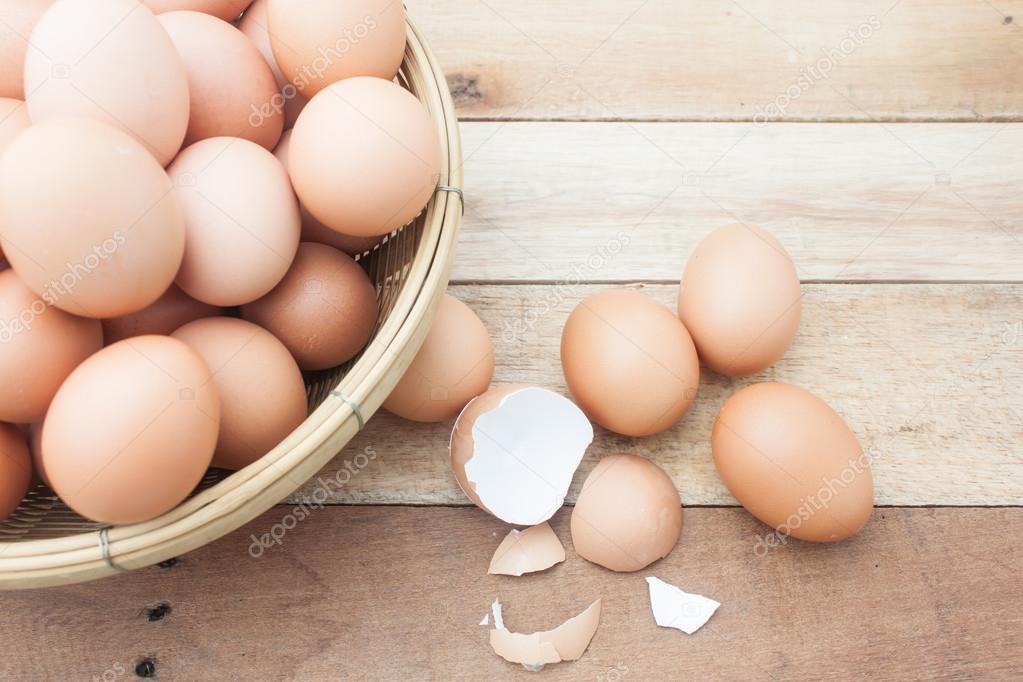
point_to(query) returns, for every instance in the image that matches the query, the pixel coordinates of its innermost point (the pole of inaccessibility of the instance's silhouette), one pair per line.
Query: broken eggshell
(528, 551)
(628, 514)
(567, 642)
(514, 451)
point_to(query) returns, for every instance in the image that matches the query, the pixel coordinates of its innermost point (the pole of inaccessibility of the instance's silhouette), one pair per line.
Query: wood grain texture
(861, 202)
(929, 377)
(356, 593)
(726, 60)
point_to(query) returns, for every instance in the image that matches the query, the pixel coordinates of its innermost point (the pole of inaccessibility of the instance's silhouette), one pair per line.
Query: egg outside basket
(43, 543)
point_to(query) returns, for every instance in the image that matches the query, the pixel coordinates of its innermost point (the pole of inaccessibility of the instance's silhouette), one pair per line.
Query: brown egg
(111, 61)
(241, 217)
(453, 366)
(39, 347)
(629, 362)
(365, 157)
(628, 514)
(232, 86)
(317, 43)
(88, 219)
(324, 310)
(793, 463)
(227, 10)
(254, 26)
(172, 310)
(740, 300)
(315, 231)
(132, 430)
(15, 469)
(262, 395)
(17, 19)
(13, 119)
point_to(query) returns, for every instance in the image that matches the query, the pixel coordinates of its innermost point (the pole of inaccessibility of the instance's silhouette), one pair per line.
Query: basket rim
(247, 493)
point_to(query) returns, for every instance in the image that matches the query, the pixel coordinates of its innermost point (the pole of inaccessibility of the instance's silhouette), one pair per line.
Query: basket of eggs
(226, 227)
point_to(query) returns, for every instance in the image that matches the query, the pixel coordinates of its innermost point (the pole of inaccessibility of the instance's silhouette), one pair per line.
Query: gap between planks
(929, 377)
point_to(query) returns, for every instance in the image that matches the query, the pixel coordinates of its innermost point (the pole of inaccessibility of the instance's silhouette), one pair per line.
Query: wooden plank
(724, 60)
(930, 378)
(852, 202)
(397, 593)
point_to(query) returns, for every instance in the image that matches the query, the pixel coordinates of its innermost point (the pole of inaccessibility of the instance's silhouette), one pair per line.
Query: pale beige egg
(111, 61)
(88, 218)
(317, 43)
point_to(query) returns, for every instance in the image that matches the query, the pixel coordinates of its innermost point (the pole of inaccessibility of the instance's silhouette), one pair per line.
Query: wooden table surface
(880, 141)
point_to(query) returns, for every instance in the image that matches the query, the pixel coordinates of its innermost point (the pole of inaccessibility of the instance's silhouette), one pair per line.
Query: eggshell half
(232, 86)
(324, 310)
(629, 362)
(15, 469)
(317, 43)
(628, 514)
(793, 463)
(262, 395)
(39, 347)
(567, 642)
(241, 218)
(740, 299)
(453, 366)
(515, 449)
(111, 61)
(365, 157)
(132, 430)
(88, 219)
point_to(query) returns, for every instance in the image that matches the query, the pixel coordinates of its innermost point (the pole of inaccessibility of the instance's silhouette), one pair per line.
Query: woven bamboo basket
(44, 543)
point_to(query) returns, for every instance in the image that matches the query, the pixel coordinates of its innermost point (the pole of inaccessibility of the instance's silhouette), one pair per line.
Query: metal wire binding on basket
(44, 543)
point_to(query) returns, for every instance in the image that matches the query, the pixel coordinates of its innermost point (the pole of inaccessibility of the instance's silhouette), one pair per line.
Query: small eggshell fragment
(172, 310)
(241, 218)
(793, 463)
(628, 514)
(228, 10)
(629, 362)
(312, 229)
(15, 469)
(514, 451)
(740, 299)
(254, 26)
(365, 157)
(132, 430)
(17, 18)
(324, 310)
(528, 551)
(262, 395)
(233, 89)
(39, 347)
(88, 219)
(13, 119)
(112, 61)
(317, 43)
(453, 366)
